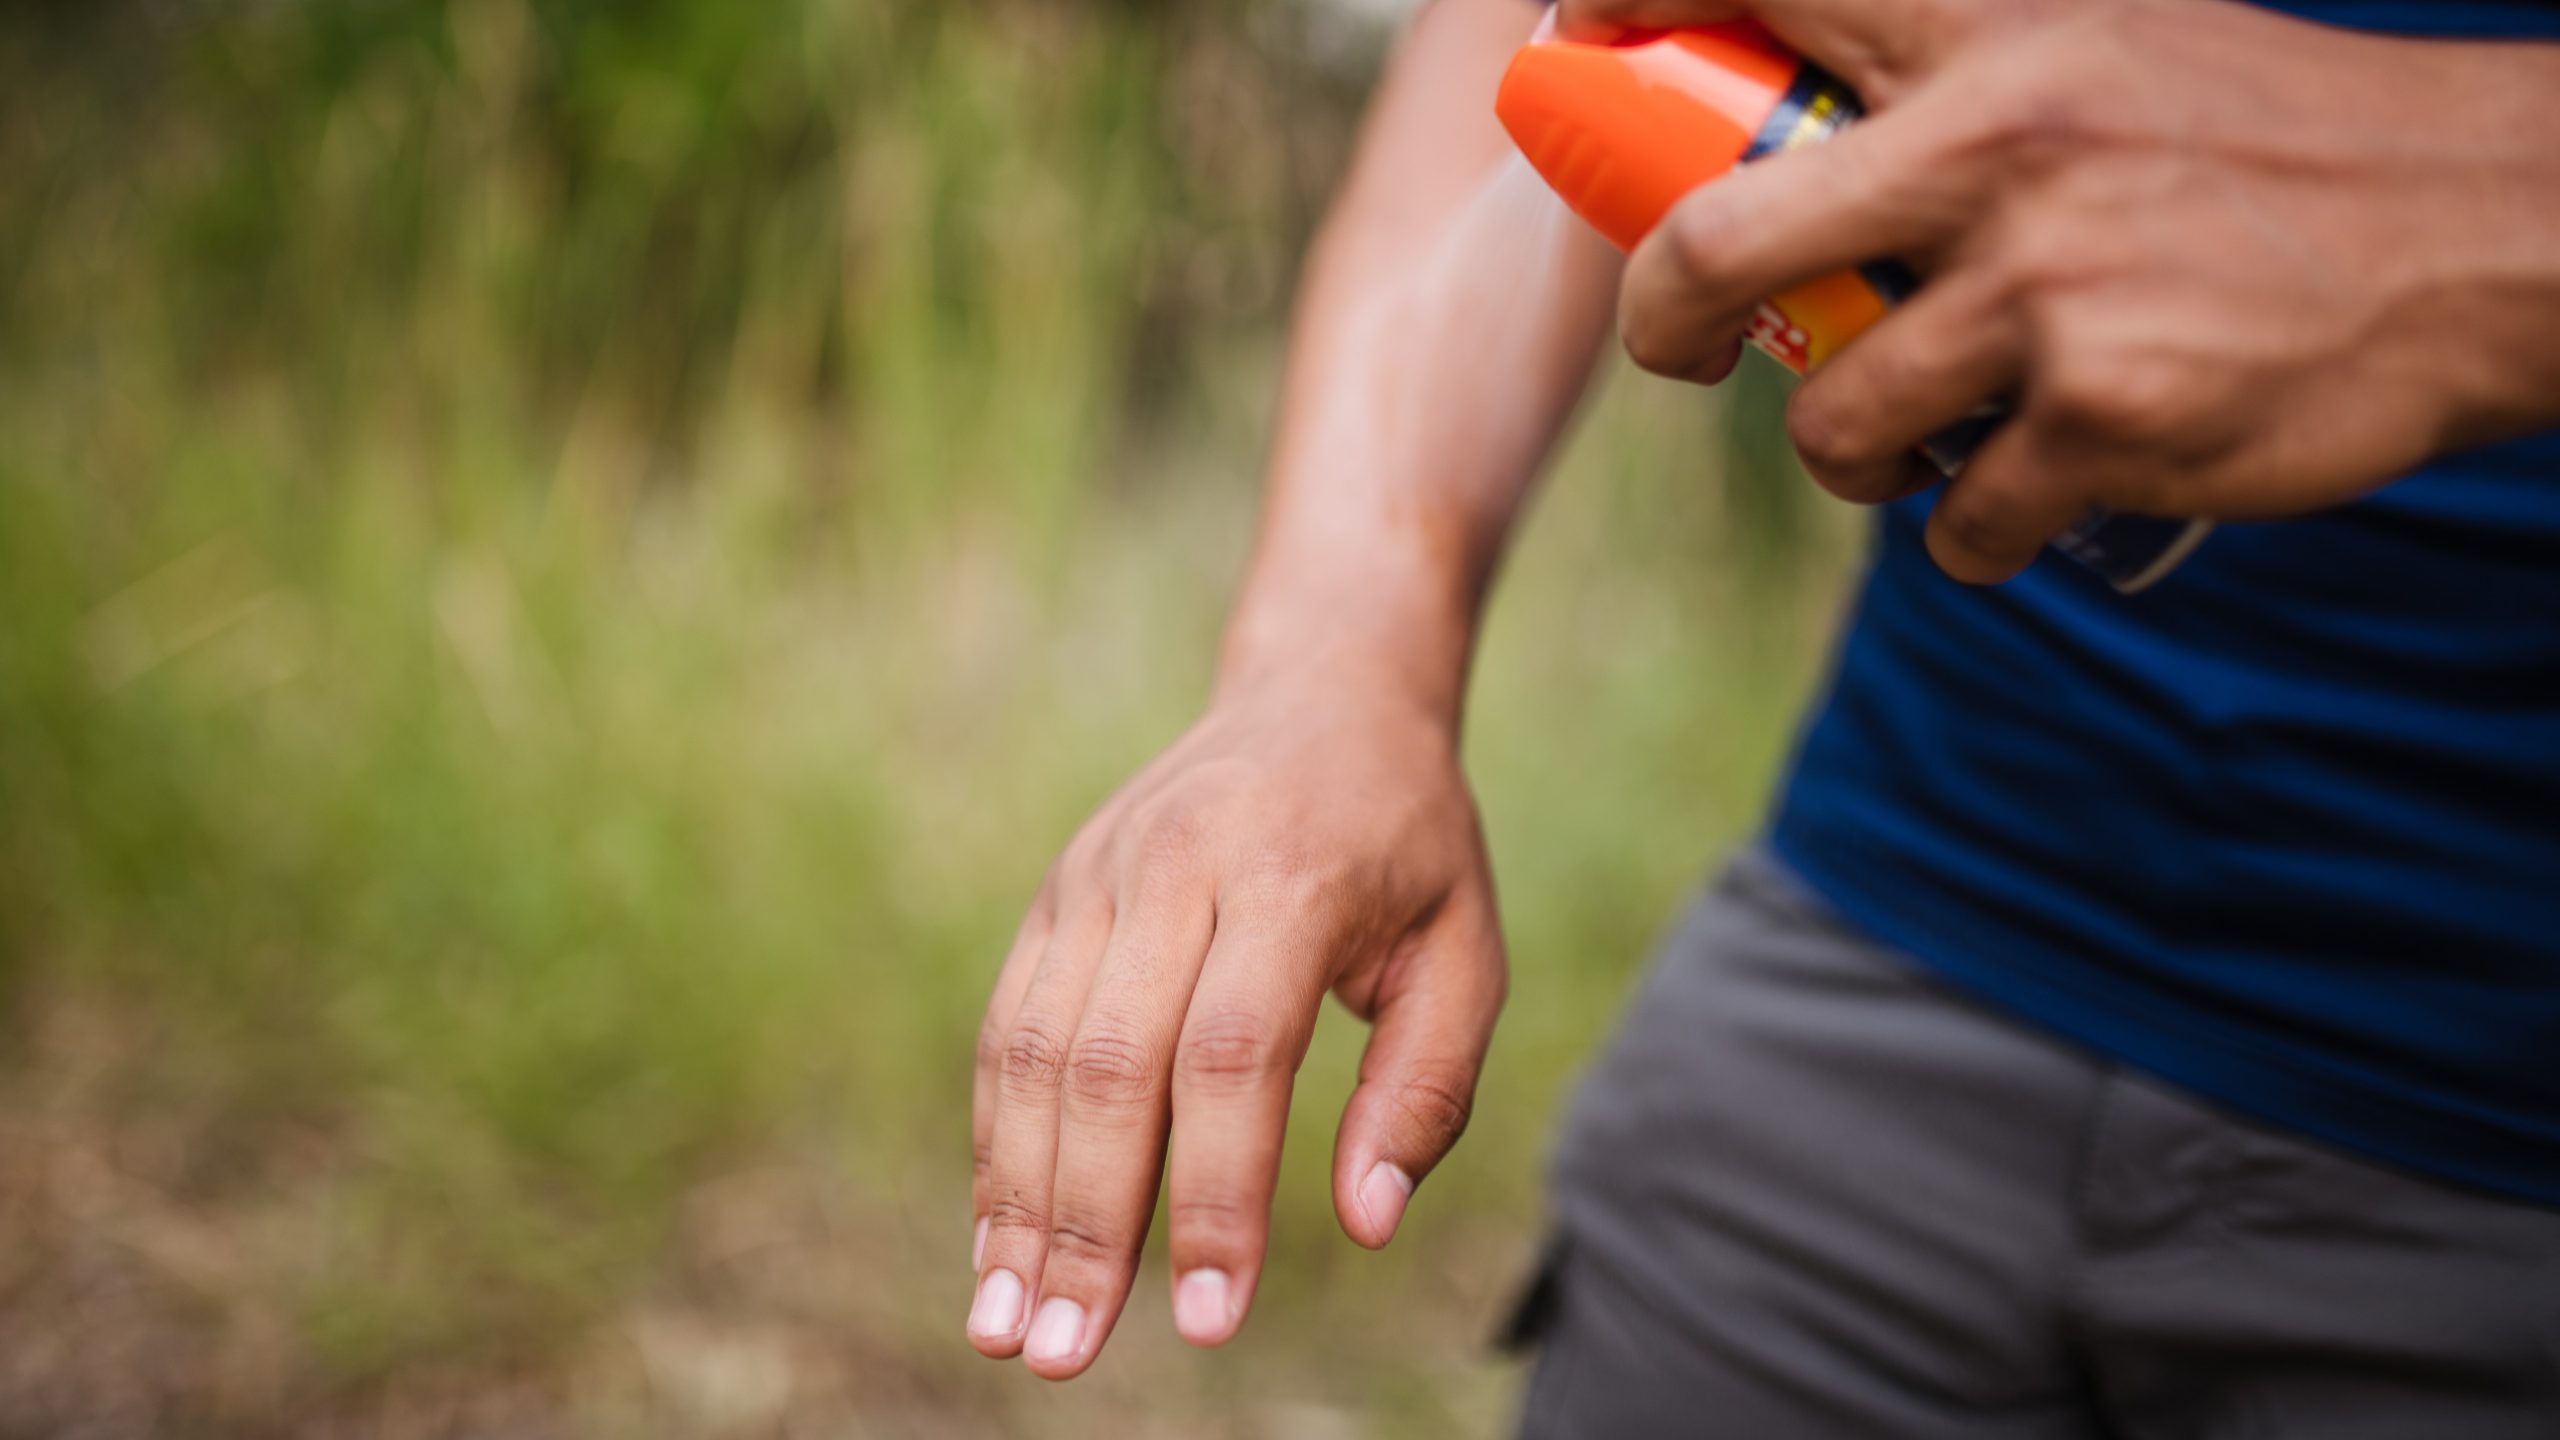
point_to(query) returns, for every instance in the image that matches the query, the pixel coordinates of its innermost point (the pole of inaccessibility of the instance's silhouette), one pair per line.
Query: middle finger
(1114, 1107)
(1882, 188)
(1927, 366)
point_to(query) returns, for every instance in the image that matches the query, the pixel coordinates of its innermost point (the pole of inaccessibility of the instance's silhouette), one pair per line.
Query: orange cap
(1623, 127)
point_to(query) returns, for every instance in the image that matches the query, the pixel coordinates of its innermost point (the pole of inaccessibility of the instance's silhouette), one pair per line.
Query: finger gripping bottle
(1623, 127)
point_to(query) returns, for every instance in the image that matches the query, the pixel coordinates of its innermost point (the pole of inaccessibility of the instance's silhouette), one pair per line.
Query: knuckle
(1296, 875)
(2114, 401)
(1700, 238)
(2084, 49)
(1233, 778)
(1330, 884)
(1681, 276)
(1973, 528)
(1215, 1223)
(2025, 115)
(1276, 861)
(1034, 1057)
(1111, 1069)
(1825, 431)
(1168, 837)
(1075, 865)
(1849, 170)
(1228, 1051)
(2031, 263)
(1214, 1212)
(1437, 1101)
(1012, 1210)
(1084, 1239)
(1944, 348)
(1648, 343)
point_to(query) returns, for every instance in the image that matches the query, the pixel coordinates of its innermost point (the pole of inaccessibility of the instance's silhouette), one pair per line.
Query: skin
(2208, 252)
(2227, 263)
(1313, 833)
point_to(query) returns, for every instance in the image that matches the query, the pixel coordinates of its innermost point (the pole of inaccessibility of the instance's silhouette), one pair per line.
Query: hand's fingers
(1435, 1011)
(1241, 1046)
(2018, 493)
(1113, 1112)
(1881, 49)
(1926, 366)
(1587, 19)
(1030, 1067)
(1029, 940)
(1879, 190)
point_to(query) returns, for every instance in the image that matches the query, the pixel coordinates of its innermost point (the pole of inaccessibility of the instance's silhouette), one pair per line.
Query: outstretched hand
(2220, 261)
(1308, 835)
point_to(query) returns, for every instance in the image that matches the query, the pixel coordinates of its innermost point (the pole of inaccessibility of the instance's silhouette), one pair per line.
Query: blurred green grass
(564, 569)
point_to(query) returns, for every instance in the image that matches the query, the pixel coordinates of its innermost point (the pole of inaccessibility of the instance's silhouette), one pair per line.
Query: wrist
(2485, 280)
(1380, 630)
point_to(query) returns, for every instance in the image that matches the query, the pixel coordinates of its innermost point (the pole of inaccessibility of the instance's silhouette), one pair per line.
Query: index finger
(1890, 187)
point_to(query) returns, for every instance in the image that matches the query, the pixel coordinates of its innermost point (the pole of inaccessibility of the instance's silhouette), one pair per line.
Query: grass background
(563, 568)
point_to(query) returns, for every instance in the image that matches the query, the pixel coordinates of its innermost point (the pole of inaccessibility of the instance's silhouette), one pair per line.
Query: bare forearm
(1446, 327)
(1313, 832)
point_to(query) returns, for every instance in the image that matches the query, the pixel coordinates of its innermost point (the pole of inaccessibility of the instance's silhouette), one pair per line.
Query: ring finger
(1023, 1149)
(1934, 364)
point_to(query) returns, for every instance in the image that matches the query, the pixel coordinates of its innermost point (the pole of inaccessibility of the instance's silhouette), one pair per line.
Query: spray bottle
(1623, 127)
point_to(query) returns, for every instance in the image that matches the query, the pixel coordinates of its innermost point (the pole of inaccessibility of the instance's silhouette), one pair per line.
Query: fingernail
(1383, 1192)
(978, 1247)
(998, 1310)
(1203, 1306)
(1059, 1332)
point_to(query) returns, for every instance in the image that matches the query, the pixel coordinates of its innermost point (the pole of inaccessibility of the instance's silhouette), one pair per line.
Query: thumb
(1435, 1009)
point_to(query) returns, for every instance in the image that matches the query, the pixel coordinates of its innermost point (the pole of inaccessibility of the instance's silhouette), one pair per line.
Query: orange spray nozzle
(1622, 127)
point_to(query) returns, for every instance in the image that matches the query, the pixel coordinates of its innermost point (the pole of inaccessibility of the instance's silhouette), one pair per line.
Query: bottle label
(1815, 108)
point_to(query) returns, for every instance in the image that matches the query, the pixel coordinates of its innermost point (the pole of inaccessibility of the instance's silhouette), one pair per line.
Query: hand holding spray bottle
(1622, 128)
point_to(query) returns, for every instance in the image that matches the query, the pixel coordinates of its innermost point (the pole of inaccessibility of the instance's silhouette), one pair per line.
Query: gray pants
(1810, 1193)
